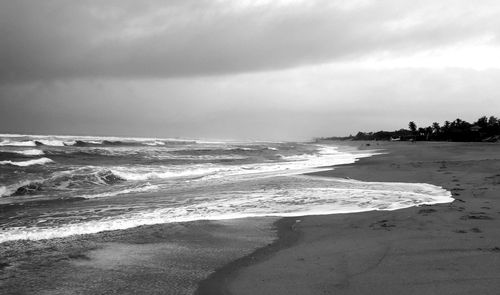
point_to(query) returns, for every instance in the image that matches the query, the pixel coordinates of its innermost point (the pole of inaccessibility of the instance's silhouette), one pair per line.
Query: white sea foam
(40, 161)
(154, 143)
(70, 142)
(141, 189)
(4, 191)
(339, 196)
(326, 157)
(51, 142)
(57, 140)
(17, 143)
(8, 190)
(32, 152)
(162, 172)
(73, 142)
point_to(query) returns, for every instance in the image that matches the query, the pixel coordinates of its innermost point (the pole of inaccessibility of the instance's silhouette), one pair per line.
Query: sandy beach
(439, 249)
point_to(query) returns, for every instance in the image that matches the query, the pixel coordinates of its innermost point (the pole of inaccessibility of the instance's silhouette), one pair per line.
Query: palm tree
(492, 121)
(457, 123)
(436, 127)
(482, 122)
(447, 125)
(413, 126)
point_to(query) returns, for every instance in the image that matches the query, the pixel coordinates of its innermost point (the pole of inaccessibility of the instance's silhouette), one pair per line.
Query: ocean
(58, 186)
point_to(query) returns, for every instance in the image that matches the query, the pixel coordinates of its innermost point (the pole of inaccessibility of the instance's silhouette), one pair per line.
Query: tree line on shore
(483, 129)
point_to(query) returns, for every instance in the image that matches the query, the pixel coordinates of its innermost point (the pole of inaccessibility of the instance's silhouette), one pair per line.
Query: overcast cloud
(129, 38)
(273, 69)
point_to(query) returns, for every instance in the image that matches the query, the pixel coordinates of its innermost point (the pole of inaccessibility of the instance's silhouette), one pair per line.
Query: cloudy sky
(238, 69)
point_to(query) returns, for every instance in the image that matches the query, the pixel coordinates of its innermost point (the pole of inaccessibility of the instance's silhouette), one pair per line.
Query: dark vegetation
(484, 129)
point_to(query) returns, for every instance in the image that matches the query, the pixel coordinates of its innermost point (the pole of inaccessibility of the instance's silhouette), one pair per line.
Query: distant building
(475, 128)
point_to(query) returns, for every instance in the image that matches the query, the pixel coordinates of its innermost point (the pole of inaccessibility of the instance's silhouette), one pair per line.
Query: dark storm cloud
(57, 39)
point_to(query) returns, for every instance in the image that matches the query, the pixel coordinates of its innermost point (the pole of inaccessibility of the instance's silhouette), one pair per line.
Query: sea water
(57, 186)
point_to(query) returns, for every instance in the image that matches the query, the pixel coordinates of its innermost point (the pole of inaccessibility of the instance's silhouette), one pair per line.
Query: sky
(239, 69)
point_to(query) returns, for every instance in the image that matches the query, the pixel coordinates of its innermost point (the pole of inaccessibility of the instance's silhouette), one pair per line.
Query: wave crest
(28, 189)
(40, 161)
(17, 143)
(33, 152)
(67, 180)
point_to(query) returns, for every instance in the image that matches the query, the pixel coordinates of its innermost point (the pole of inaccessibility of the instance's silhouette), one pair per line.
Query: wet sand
(439, 249)
(156, 259)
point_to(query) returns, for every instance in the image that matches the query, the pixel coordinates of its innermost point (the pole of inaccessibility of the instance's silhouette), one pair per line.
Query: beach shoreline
(412, 251)
(433, 249)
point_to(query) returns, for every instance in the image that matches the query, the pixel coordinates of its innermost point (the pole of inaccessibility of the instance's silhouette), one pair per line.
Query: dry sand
(439, 249)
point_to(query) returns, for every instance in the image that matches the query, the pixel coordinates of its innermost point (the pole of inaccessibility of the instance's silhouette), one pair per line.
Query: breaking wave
(83, 141)
(32, 152)
(4, 191)
(50, 142)
(347, 196)
(140, 189)
(84, 178)
(17, 143)
(40, 161)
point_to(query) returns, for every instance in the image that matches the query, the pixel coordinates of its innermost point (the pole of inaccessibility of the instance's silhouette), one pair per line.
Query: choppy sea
(57, 186)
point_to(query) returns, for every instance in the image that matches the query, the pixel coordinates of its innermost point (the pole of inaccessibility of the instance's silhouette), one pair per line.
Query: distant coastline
(484, 129)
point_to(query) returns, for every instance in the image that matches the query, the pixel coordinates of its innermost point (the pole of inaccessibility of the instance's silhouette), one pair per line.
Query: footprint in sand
(382, 224)
(477, 216)
(78, 256)
(494, 249)
(426, 211)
